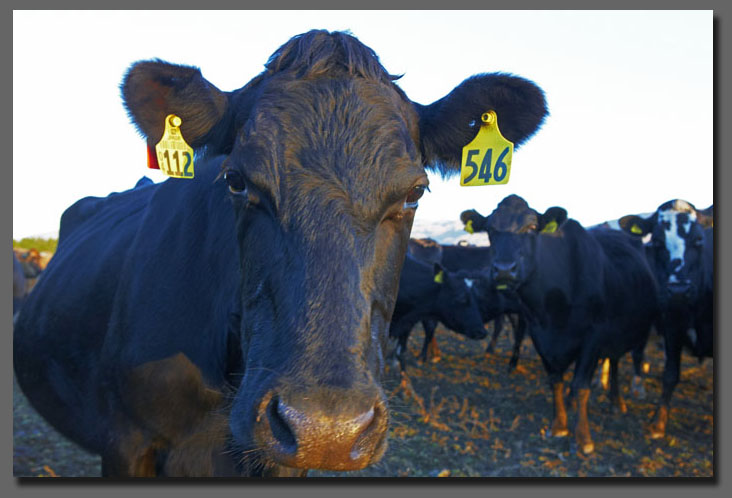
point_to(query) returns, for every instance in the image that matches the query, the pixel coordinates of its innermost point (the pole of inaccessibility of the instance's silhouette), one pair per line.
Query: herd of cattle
(213, 327)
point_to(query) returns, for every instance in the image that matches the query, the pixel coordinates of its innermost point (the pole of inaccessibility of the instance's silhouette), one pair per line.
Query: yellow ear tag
(501, 287)
(550, 227)
(636, 229)
(175, 156)
(487, 159)
(469, 227)
(439, 277)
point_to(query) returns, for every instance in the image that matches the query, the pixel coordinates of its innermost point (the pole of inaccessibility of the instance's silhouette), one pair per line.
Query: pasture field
(465, 416)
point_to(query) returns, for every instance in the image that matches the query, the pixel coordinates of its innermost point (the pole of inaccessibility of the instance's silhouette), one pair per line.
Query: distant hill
(447, 232)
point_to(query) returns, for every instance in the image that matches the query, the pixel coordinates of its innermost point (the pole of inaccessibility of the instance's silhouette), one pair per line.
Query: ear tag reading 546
(174, 155)
(487, 159)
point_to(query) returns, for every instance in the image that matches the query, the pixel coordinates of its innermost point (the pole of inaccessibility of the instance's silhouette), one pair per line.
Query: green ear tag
(175, 156)
(487, 159)
(550, 227)
(636, 229)
(439, 277)
(469, 227)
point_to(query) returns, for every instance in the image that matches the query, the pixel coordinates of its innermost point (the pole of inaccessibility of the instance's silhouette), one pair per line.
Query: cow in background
(473, 263)
(19, 285)
(429, 292)
(586, 295)
(681, 253)
(211, 326)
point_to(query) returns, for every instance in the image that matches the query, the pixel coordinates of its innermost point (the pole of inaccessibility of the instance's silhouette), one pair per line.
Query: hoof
(588, 448)
(657, 433)
(559, 432)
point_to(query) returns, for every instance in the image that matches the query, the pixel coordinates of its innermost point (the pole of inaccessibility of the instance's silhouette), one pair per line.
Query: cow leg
(671, 374)
(584, 369)
(132, 456)
(637, 389)
(582, 432)
(430, 343)
(559, 424)
(497, 328)
(519, 331)
(616, 400)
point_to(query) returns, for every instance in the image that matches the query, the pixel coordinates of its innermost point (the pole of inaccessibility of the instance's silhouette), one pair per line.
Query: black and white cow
(586, 295)
(681, 253)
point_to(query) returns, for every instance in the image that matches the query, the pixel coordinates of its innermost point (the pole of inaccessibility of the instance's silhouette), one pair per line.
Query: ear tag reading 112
(174, 155)
(487, 159)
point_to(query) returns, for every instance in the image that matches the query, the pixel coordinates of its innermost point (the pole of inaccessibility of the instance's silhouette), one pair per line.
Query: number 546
(484, 170)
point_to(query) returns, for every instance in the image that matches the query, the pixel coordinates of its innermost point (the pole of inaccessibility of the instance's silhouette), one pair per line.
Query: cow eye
(699, 242)
(414, 196)
(235, 181)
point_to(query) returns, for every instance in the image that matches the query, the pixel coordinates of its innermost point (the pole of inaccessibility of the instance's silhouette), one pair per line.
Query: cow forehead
(350, 139)
(512, 219)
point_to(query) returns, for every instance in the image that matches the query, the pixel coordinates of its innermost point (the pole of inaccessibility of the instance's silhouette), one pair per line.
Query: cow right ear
(450, 123)
(552, 219)
(473, 221)
(636, 225)
(705, 217)
(151, 90)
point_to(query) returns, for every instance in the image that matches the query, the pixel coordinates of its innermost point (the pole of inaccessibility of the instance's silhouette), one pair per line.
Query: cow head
(325, 164)
(676, 246)
(457, 302)
(512, 229)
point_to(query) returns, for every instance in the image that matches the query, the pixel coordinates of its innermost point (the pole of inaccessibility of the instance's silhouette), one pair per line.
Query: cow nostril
(281, 430)
(370, 423)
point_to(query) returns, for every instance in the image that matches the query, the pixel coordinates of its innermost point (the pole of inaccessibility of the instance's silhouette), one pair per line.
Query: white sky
(629, 92)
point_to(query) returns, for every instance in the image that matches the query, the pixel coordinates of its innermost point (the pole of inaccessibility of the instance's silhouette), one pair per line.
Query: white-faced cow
(681, 254)
(586, 294)
(235, 323)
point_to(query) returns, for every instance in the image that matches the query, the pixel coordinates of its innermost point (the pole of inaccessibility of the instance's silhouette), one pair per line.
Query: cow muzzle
(311, 431)
(505, 275)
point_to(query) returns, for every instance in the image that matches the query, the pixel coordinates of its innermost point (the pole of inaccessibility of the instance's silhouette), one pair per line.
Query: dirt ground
(466, 416)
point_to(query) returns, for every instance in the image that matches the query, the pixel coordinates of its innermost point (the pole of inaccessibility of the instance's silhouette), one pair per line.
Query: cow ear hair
(552, 219)
(153, 89)
(636, 225)
(449, 124)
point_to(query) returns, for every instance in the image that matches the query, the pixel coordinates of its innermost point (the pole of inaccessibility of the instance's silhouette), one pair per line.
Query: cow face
(676, 247)
(458, 303)
(512, 229)
(325, 165)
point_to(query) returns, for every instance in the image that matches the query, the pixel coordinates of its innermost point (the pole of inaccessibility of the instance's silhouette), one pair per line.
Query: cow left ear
(473, 221)
(449, 124)
(636, 225)
(552, 219)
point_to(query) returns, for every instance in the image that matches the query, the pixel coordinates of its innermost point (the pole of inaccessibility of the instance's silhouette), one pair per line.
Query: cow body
(586, 294)
(681, 254)
(210, 326)
(427, 292)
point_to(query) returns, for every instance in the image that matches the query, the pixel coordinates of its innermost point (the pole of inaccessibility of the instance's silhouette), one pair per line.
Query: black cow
(474, 262)
(586, 294)
(235, 323)
(681, 254)
(19, 285)
(429, 292)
